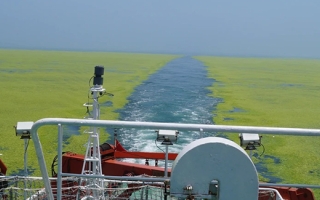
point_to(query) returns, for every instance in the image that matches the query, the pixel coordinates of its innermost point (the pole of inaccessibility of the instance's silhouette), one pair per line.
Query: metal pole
(25, 167)
(128, 178)
(42, 164)
(166, 162)
(11, 194)
(201, 132)
(165, 191)
(59, 177)
(147, 190)
(173, 126)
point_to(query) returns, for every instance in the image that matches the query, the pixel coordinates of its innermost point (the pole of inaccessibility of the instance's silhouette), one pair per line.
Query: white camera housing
(250, 139)
(23, 128)
(167, 135)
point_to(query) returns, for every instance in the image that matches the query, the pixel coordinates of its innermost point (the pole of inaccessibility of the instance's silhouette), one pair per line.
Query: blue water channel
(176, 93)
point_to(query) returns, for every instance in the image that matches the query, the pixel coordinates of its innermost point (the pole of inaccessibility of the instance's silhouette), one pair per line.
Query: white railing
(145, 125)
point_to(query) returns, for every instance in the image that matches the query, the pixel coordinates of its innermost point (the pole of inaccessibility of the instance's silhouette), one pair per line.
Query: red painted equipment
(3, 168)
(113, 165)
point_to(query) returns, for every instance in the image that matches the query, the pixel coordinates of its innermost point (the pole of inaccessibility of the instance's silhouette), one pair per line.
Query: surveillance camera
(23, 128)
(98, 72)
(252, 139)
(167, 135)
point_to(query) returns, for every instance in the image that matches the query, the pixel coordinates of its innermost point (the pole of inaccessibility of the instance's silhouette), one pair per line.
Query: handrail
(279, 197)
(143, 179)
(151, 125)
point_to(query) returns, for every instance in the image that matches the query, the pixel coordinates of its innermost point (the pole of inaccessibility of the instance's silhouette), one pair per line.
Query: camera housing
(98, 72)
(23, 129)
(167, 135)
(250, 139)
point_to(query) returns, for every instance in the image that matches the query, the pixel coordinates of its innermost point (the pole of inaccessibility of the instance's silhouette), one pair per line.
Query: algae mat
(42, 84)
(272, 92)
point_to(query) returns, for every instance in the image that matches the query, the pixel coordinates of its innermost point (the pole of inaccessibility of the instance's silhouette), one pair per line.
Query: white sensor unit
(23, 128)
(250, 139)
(167, 135)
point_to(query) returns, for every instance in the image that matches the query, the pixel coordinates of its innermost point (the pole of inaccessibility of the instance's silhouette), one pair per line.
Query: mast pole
(92, 161)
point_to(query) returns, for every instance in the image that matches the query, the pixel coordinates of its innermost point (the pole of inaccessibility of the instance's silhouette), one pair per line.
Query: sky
(199, 27)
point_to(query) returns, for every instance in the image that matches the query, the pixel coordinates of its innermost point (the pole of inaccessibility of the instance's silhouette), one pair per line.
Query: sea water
(176, 93)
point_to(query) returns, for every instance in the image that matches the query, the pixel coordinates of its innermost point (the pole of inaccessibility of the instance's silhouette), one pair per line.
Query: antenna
(92, 160)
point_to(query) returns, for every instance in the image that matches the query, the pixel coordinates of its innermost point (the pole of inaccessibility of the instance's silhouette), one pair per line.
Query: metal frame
(146, 125)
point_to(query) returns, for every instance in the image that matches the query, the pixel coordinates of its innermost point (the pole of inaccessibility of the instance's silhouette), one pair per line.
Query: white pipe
(59, 177)
(166, 162)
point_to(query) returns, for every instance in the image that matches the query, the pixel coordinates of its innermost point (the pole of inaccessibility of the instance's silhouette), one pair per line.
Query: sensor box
(23, 128)
(164, 135)
(250, 138)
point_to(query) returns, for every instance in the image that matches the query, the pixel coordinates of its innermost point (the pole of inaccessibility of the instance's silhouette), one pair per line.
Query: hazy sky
(288, 28)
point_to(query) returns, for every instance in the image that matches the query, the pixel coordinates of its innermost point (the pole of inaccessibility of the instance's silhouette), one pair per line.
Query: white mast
(92, 160)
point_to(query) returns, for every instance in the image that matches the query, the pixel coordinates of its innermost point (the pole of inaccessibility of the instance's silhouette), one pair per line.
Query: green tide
(253, 92)
(272, 92)
(44, 84)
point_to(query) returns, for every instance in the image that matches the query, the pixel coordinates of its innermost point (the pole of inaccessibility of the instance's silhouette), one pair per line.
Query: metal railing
(145, 125)
(72, 189)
